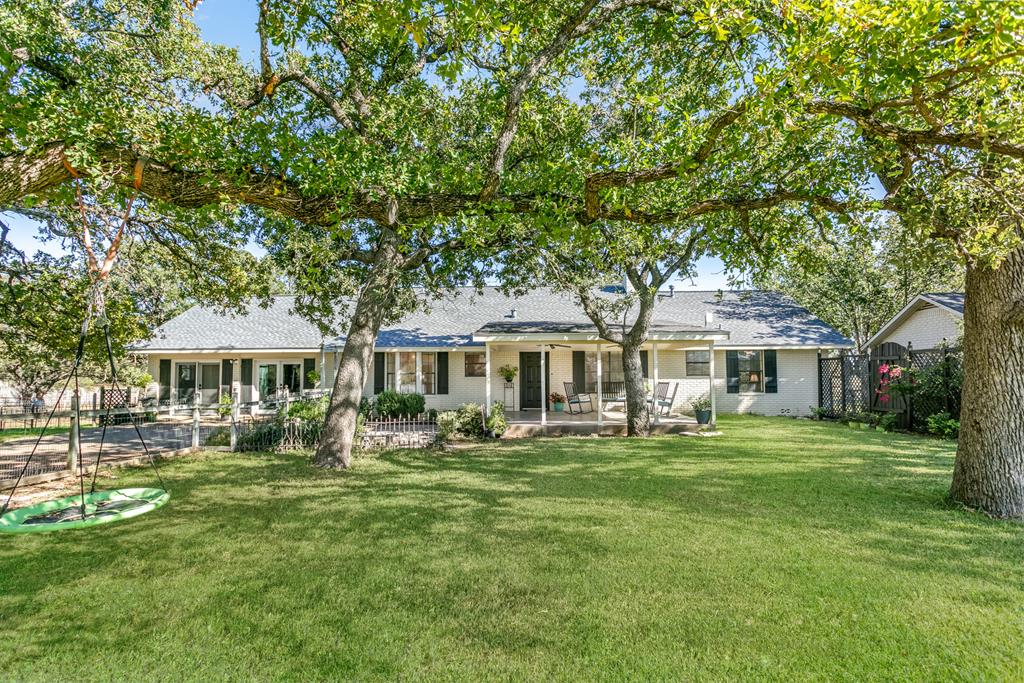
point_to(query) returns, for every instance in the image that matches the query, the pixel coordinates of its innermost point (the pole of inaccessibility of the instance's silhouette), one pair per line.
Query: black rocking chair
(574, 398)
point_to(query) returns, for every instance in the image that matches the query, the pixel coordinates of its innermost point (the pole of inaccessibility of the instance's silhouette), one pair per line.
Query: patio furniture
(574, 398)
(614, 392)
(661, 402)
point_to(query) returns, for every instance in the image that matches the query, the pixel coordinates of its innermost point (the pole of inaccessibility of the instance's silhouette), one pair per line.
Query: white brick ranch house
(749, 351)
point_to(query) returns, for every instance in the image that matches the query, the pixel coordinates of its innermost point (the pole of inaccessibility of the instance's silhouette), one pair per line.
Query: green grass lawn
(22, 432)
(784, 550)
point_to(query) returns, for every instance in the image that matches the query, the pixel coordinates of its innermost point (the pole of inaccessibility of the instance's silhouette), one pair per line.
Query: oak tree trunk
(376, 300)
(638, 417)
(989, 471)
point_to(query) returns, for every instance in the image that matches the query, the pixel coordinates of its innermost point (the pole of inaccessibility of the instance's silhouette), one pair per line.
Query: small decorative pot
(559, 407)
(703, 417)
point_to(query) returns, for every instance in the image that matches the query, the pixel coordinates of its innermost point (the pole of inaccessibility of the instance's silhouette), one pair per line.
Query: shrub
(219, 437)
(262, 437)
(447, 426)
(224, 406)
(414, 404)
(309, 410)
(469, 421)
(393, 404)
(942, 424)
(496, 423)
(818, 412)
(888, 421)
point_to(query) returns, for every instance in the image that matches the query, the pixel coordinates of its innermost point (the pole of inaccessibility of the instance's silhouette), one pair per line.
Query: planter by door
(703, 417)
(559, 407)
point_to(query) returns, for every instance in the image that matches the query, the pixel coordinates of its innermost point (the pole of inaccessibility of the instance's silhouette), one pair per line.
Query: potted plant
(509, 372)
(702, 409)
(557, 401)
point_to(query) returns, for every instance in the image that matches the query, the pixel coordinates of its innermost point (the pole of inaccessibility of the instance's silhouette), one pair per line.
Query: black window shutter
(643, 364)
(771, 373)
(442, 372)
(579, 370)
(165, 379)
(247, 372)
(732, 372)
(378, 372)
(226, 374)
(308, 366)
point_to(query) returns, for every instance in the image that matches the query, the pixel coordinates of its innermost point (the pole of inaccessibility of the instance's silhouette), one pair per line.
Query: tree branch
(910, 137)
(582, 22)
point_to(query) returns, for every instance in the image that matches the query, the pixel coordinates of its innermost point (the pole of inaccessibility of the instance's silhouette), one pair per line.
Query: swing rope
(95, 310)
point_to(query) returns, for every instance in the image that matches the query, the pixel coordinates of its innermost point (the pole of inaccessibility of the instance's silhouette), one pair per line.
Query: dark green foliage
(939, 385)
(219, 437)
(310, 410)
(496, 423)
(394, 404)
(942, 424)
(469, 421)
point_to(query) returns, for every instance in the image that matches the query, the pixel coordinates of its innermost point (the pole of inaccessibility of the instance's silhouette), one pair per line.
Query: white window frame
(760, 355)
(420, 365)
(686, 368)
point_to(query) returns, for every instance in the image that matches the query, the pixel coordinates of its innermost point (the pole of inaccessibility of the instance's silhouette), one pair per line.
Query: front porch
(523, 423)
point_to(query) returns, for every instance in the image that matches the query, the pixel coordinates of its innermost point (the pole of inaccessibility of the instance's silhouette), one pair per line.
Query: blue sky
(233, 23)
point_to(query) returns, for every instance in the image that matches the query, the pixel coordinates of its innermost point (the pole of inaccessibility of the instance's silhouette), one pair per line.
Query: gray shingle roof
(752, 318)
(275, 327)
(571, 327)
(951, 300)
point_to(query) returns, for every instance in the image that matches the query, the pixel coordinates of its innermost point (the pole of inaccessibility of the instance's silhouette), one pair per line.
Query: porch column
(487, 375)
(654, 353)
(543, 388)
(419, 372)
(398, 371)
(600, 411)
(323, 367)
(711, 382)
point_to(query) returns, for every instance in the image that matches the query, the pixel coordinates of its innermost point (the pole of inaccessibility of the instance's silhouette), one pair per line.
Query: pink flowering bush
(894, 380)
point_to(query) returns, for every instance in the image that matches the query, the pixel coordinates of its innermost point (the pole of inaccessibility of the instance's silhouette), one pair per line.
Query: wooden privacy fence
(852, 383)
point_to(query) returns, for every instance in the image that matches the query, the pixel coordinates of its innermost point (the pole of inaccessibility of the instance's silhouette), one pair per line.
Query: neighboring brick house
(753, 351)
(926, 322)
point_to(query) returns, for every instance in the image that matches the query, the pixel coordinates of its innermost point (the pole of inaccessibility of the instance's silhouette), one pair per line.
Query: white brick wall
(798, 377)
(926, 329)
(798, 386)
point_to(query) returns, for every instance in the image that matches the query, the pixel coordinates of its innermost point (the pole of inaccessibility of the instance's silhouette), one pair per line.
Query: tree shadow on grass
(551, 506)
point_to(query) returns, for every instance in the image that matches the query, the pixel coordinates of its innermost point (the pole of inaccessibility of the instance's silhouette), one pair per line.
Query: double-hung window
(476, 364)
(428, 366)
(698, 363)
(751, 371)
(407, 372)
